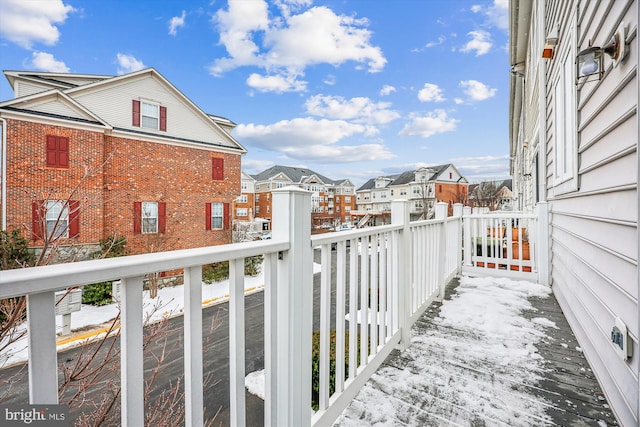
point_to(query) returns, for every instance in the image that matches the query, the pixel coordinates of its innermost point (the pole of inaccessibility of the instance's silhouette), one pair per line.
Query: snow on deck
(497, 352)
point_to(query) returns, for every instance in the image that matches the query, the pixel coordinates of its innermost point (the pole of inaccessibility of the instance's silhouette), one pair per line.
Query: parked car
(265, 236)
(344, 227)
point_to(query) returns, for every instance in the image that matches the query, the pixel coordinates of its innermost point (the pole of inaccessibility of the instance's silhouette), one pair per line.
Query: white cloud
(430, 93)
(176, 22)
(276, 83)
(329, 80)
(483, 167)
(255, 166)
(476, 90)
(428, 125)
(480, 42)
(286, 46)
(26, 22)
(387, 90)
(46, 62)
(441, 39)
(358, 109)
(312, 140)
(497, 14)
(128, 63)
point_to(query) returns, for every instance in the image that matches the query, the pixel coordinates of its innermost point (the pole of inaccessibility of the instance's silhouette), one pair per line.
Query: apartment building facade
(85, 157)
(332, 200)
(423, 187)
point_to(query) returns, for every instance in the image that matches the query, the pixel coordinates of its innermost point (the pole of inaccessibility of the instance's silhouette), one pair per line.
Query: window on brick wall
(242, 198)
(217, 169)
(217, 216)
(150, 115)
(149, 217)
(55, 219)
(57, 151)
(242, 211)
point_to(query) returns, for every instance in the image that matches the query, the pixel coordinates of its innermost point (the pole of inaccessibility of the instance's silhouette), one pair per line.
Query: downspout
(3, 155)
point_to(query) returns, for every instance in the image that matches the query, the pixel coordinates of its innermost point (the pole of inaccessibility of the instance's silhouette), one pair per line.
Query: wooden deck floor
(566, 385)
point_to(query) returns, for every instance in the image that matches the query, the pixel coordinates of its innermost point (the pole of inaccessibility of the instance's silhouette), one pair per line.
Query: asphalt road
(216, 359)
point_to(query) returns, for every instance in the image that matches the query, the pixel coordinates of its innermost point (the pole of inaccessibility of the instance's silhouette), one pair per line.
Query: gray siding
(594, 233)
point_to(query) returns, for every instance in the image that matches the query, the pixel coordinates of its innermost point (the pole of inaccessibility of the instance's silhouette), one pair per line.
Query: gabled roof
(54, 80)
(296, 175)
(73, 85)
(371, 184)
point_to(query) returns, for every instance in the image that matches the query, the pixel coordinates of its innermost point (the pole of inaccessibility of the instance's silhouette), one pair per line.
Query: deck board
(567, 387)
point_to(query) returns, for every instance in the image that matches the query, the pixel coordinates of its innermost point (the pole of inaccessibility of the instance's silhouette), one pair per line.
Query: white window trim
(146, 230)
(565, 134)
(142, 115)
(57, 213)
(214, 215)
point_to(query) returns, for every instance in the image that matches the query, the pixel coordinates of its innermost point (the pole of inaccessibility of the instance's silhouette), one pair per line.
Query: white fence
(509, 244)
(384, 279)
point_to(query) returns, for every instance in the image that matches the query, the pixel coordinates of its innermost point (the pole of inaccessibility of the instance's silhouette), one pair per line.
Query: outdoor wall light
(590, 61)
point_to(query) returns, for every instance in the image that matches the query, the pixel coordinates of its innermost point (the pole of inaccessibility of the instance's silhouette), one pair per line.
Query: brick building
(423, 187)
(332, 200)
(85, 157)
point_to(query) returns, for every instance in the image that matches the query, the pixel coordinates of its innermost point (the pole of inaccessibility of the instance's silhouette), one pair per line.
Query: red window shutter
(63, 151)
(207, 216)
(225, 217)
(37, 218)
(163, 118)
(137, 217)
(217, 171)
(162, 217)
(52, 150)
(135, 119)
(74, 218)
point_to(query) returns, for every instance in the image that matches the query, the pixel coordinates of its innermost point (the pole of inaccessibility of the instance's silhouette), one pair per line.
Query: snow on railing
(384, 278)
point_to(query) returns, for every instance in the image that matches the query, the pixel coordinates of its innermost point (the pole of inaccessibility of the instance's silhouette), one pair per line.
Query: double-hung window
(217, 216)
(57, 219)
(149, 217)
(149, 115)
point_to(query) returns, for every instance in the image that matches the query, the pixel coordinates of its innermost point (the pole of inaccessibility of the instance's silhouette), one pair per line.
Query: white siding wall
(594, 233)
(114, 104)
(23, 88)
(57, 107)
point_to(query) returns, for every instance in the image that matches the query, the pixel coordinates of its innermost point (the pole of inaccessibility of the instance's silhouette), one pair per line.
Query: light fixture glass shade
(589, 62)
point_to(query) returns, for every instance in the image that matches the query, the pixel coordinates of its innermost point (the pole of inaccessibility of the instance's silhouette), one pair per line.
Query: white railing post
(293, 320)
(193, 382)
(131, 357)
(458, 209)
(441, 214)
(43, 359)
(400, 216)
(466, 235)
(237, 408)
(542, 245)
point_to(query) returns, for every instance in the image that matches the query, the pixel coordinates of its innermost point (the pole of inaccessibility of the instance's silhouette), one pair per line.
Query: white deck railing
(385, 278)
(506, 243)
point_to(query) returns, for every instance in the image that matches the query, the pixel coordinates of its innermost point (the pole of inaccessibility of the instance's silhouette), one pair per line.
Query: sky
(348, 88)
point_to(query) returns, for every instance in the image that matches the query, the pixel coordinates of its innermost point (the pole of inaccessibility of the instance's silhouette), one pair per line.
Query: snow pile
(475, 363)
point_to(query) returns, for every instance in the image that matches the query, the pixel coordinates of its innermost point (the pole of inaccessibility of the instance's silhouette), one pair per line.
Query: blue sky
(349, 88)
